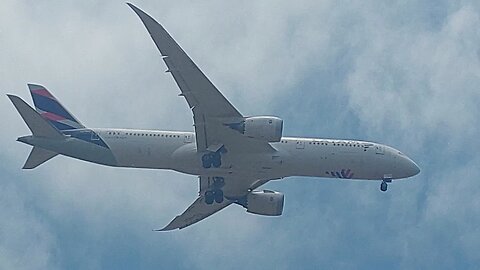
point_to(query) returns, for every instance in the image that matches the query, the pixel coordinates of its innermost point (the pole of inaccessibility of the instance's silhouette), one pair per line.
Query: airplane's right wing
(212, 112)
(202, 96)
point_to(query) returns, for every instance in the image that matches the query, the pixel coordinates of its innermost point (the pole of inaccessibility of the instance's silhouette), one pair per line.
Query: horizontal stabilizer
(38, 156)
(35, 122)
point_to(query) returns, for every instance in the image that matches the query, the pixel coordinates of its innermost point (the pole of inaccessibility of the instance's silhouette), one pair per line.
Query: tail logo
(51, 110)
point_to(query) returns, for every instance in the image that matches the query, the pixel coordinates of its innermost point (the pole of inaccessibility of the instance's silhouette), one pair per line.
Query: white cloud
(420, 82)
(26, 241)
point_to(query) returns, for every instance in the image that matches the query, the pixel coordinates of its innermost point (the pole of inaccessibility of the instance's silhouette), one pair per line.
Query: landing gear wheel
(209, 197)
(206, 161)
(383, 186)
(218, 182)
(216, 160)
(219, 196)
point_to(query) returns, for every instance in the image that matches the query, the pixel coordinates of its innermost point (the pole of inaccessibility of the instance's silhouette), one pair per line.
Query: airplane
(232, 154)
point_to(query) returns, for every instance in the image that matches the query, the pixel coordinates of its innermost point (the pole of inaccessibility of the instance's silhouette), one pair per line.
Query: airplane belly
(141, 154)
(186, 159)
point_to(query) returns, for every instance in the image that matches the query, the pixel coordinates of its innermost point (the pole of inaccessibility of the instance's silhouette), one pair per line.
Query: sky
(403, 73)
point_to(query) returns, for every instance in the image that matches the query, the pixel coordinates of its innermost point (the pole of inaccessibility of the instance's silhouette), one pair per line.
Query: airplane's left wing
(197, 211)
(200, 209)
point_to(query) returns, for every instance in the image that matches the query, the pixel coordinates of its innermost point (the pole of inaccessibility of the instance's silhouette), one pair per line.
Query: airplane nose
(410, 167)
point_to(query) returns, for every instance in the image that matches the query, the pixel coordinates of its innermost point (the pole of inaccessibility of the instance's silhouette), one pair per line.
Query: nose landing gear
(386, 179)
(383, 186)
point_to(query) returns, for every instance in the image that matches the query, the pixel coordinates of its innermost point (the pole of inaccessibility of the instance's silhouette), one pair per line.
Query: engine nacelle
(267, 203)
(268, 128)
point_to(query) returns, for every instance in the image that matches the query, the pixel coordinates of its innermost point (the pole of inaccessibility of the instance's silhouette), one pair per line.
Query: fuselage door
(300, 145)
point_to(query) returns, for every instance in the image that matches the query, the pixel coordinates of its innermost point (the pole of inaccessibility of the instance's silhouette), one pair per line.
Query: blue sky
(401, 72)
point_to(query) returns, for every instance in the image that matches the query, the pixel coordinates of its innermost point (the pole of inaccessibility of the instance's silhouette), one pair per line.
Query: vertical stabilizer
(52, 110)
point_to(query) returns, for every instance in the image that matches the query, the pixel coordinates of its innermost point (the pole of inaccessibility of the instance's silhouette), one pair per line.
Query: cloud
(26, 240)
(420, 81)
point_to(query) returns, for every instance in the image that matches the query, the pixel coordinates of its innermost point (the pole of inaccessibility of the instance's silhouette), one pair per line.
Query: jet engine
(266, 202)
(268, 128)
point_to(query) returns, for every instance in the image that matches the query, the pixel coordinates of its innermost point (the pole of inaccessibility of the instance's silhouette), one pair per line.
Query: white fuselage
(346, 159)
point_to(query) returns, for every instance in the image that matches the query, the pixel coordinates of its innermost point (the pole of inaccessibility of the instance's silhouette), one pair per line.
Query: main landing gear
(213, 195)
(213, 158)
(216, 193)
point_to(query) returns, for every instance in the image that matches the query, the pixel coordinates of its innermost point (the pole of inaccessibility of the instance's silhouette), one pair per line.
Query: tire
(219, 196)
(217, 162)
(206, 161)
(383, 186)
(209, 197)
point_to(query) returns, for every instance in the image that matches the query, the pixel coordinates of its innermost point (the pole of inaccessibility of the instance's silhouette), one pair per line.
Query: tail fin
(39, 127)
(37, 157)
(51, 110)
(35, 122)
